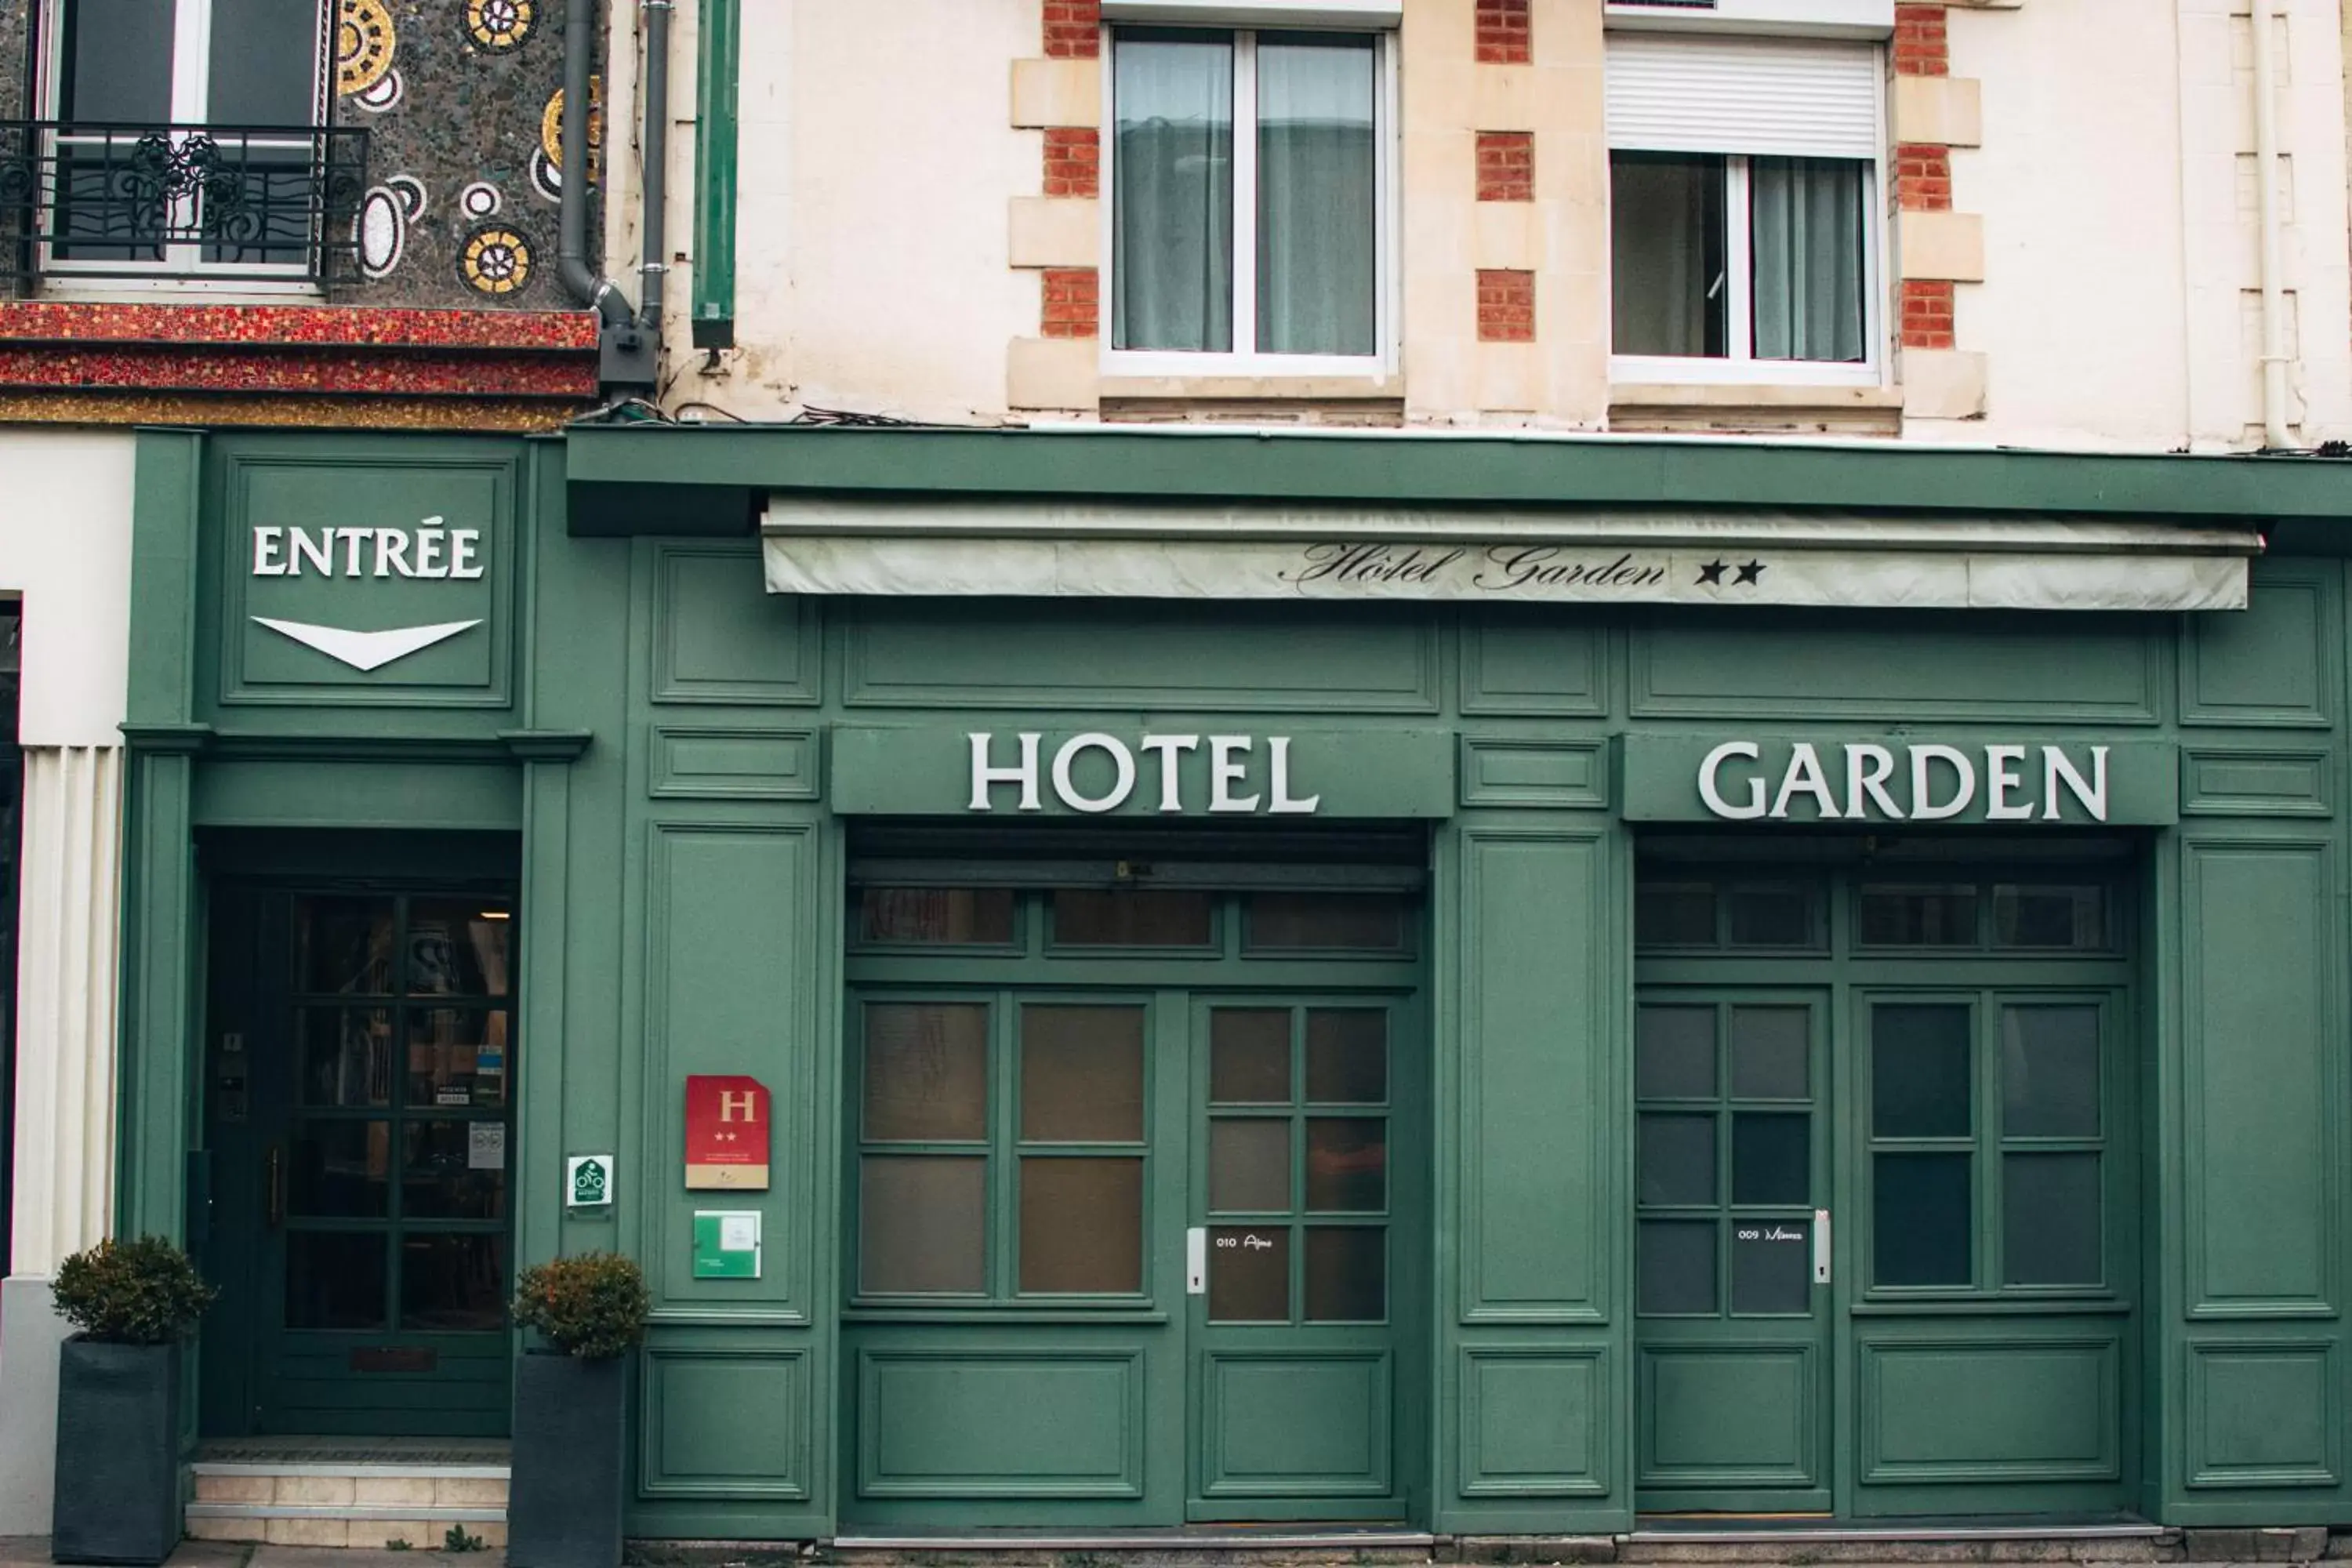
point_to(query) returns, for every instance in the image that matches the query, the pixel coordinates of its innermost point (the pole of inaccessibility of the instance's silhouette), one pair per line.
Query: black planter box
(117, 1485)
(563, 1503)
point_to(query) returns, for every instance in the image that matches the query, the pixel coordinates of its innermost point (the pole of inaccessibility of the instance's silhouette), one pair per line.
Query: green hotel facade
(1462, 984)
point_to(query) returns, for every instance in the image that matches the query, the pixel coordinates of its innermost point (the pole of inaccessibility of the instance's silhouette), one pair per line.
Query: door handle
(1196, 1260)
(1821, 1246)
(275, 1180)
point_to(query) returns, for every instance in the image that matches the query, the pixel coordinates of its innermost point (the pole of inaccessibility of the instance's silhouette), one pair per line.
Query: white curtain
(1173, 196)
(1318, 218)
(1806, 230)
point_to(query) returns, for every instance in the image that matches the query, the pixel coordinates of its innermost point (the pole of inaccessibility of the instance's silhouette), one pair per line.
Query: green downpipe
(719, 59)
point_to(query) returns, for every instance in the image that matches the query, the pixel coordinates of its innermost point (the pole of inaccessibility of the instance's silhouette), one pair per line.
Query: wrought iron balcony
(88, 199)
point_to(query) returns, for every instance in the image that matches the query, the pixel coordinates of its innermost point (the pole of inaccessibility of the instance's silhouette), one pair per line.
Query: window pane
(1770, 916)
(1920, 1070)
(1772, 1158)
(457, 1057)
(1677, 1266)
(339, 1170)
(346, 1055)
(948, 916)
(2050, 1072)
(1770, 1052)
(121, 54)
(1082, 1224)
(2049, 1220)
(1673, 1053)
(1674, 914)
(1371, 922)
(1666, 254)
(1082, 1075)
(1920, 1209)
(343, 946)
(2067, 916)
(1249, 1164)
(1347, 1164)
(1772, 1266)
(1249, 1055)
(1805, 237)
(926, 1071)
(1249, 1275)
(1172, 191)
(1919, 917)
(1131, 918)
(1347, 1056)
(458, 947)
(1347, 1274)
(453, 1170)
(1677, 1156)
(264, 52)
(335, 1280)
(453, 1284)
(922, 1223)
(1317, 230)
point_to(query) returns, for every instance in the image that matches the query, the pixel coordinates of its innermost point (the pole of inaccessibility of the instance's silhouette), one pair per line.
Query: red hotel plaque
(727, 1134)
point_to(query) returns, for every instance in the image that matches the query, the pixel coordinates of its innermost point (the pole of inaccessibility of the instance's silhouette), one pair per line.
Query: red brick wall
(1923, 178)
(1072, 304)
(1507, 306)
(1073, 29)
(1927, 313)
(1504, 39)
(1507, 166)
(1920, 46)
(1073, 162)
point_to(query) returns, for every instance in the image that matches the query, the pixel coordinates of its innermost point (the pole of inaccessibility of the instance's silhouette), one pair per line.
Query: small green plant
(139, 1292)
(398, 1543)
(593, 1305)
(457, 1540)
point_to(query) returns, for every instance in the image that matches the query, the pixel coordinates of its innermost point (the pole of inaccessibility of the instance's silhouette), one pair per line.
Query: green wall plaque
(726, 1243)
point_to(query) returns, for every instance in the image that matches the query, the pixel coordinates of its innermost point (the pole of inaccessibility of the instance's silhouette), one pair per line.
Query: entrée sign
(1932, 784)
(1232, 771)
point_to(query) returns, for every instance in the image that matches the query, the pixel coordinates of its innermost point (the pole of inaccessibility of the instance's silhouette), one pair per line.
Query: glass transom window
(1249, 202)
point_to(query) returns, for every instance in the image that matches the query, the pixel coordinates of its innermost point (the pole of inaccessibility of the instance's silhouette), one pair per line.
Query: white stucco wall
(65, 551)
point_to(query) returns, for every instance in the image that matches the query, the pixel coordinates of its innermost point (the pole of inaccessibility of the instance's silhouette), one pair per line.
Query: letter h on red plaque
(727, 1121)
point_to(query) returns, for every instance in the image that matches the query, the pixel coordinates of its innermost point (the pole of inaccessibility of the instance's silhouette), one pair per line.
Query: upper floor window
(185, 137)
(1744, 226)
(1250, 207)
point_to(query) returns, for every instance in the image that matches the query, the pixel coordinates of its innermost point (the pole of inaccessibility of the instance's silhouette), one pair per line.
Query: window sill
(1310, 388)
(1750, 394)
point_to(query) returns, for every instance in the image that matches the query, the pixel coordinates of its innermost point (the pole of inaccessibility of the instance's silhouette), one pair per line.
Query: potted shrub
(117, 1497)
(563, 1503)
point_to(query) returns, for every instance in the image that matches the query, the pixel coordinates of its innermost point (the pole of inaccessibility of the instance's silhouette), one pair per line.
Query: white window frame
(1244, 360)
(182, 269)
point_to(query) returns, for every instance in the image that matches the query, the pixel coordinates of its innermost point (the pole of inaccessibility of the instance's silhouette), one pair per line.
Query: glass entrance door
(380, 1113)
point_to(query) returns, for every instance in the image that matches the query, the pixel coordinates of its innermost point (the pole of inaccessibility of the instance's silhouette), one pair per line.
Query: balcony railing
(88, 199)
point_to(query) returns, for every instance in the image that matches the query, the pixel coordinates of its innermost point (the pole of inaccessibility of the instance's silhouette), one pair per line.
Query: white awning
(1101, 549)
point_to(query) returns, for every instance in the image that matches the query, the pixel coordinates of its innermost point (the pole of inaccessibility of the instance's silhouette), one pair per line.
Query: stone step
(349, 1498)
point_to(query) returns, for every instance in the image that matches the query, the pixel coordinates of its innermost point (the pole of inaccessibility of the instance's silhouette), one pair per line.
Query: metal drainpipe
(2276, 436)
(621, 354)
(655, 73)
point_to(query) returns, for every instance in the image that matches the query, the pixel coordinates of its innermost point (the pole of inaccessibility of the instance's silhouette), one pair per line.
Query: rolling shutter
(1777, 97)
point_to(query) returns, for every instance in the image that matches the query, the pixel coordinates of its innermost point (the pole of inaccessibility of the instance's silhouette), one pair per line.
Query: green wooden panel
(1729, 1415)
(2270, 781)
(1243, 658)
(2274, 664)
(1056, 1421)
(408, 493)
(353, 794)
(718, 762)
(1312, 774)
(726, 992)
(2260, 952)
(1535, 771)
(1537, 1133)
(1514, 664)
(1925, 666)
(1992, 1405)
(1535, 1421)
(2262, 1413)
(723, 1423)
(717, 636)
(1296, 1424)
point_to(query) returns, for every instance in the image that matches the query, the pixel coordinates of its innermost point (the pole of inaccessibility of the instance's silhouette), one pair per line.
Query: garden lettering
(1928, 782)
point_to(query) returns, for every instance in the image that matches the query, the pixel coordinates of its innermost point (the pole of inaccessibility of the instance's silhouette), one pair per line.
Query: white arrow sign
(366, 650)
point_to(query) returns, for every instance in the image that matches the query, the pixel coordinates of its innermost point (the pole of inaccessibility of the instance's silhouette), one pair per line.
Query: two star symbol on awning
(1713, 570)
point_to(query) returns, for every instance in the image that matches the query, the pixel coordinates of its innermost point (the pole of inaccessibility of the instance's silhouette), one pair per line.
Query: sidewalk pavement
(33, 1552)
